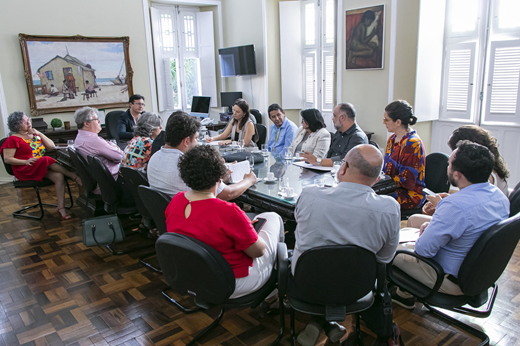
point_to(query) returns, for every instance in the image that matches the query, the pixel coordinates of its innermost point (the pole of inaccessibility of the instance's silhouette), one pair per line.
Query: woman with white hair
(138, 151)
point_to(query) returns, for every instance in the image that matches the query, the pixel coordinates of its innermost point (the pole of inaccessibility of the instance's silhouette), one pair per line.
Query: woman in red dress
(24, 151)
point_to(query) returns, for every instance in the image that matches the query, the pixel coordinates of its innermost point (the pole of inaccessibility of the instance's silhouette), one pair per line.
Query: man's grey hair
(146, 123)
(348, 109)
(357, 160)
(14, 121)
(83, 115)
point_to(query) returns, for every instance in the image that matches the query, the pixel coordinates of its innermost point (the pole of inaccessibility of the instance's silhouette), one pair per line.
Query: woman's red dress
(25, 149)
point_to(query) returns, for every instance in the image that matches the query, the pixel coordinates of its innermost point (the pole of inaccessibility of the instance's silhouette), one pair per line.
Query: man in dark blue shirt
(127, 120)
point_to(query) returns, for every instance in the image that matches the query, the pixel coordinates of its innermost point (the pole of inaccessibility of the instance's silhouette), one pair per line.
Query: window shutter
(164, 47)
(309, 64)
(502, 98)
(206, 52)
(459, 75)
(189, 34)
(328, 81)
(291, 55)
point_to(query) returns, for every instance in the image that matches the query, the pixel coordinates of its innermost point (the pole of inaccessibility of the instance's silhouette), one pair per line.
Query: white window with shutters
(184, 56)
(318, 46)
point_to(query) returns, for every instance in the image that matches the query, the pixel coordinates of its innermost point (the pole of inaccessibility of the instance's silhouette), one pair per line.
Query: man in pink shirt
(89, 143)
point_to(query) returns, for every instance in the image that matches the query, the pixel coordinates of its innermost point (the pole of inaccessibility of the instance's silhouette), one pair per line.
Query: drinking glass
(113, 141)
(251, 160)
(241, 144)
(319, 182)
(70, 143)
(283, 185)
(287, 154)
(265, 151)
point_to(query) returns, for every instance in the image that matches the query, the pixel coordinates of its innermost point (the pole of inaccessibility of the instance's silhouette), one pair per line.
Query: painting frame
(124, 80)
(365, 55)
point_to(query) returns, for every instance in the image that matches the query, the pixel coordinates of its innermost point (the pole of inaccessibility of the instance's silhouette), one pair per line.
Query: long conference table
(266, 196)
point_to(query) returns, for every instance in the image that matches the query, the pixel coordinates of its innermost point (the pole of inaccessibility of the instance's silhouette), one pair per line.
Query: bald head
(364, 165)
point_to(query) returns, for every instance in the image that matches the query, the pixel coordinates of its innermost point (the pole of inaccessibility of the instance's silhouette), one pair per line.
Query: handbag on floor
(102, 230)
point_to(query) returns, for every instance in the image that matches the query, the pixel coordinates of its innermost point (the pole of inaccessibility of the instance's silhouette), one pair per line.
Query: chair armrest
(429, 261)
(381, 277)
(283, 269)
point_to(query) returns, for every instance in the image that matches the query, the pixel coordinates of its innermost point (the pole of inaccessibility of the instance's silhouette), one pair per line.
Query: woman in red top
(24, 151)
(222, 225)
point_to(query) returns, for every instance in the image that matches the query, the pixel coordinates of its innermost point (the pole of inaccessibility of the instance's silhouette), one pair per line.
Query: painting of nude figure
(365, 35)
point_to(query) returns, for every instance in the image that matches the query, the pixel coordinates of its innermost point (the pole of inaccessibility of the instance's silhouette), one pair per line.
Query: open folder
(238, 170)
(408, 234)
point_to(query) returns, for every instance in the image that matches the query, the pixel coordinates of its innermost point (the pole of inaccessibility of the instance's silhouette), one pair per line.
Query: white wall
(67, 18)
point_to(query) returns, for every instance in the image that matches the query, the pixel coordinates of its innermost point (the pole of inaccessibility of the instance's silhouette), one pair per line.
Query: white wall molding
(339, 50)
(3, 108)
(393, 39)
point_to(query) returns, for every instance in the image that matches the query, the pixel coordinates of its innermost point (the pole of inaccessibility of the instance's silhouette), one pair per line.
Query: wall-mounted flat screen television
(237, 61)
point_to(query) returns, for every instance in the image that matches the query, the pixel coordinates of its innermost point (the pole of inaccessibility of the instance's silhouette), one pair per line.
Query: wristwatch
(318, 161)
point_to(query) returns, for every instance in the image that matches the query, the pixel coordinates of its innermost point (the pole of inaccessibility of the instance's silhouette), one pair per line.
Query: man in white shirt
(181, 134)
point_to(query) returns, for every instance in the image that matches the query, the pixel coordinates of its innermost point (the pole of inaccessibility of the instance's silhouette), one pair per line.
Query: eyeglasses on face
(138, 103)
(385, 120)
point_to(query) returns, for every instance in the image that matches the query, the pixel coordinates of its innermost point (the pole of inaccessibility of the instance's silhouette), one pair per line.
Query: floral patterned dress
(405, 163)
(25, 149)
(137, 153)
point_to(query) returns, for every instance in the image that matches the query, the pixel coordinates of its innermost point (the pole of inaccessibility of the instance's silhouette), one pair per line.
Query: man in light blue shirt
(458, 222)
(282, 131)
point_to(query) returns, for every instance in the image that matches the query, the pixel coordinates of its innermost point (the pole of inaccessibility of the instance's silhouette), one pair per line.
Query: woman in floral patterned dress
(404, 156)
(138, 151)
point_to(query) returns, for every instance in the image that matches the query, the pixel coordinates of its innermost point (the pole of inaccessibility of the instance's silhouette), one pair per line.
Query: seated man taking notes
(458, 222)
(347, 136)
(182, 133)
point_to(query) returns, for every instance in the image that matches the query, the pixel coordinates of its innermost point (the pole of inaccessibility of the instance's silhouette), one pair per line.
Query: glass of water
(241, 144)
(70, 143)
(265, 151)
(251, 160)
(319, 181)
(113, 141)
(283, 185)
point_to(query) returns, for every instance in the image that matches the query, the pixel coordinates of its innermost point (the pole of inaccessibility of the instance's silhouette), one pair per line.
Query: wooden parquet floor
(55, 291)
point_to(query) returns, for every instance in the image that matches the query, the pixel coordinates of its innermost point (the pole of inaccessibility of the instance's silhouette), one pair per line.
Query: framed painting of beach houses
(64, 73)
(365, 38)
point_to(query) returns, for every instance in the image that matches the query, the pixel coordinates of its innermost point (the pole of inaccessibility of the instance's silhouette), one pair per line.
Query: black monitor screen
(237, 61)
(228, 98)
(200, 104)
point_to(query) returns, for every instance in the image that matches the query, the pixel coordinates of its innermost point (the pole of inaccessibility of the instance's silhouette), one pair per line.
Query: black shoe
(407, 303)
(335, 332)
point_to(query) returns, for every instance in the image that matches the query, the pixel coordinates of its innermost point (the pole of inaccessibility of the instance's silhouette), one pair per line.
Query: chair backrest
(190, 266)
(111, 124)
(83, 170)
(436, 172)
(488, 257)
(514, 200)
(136, 178)
(258, 116)
(7, 166)
(374, 144)
(335, 275)
(110, 192)
(156, 203)
(262, 134)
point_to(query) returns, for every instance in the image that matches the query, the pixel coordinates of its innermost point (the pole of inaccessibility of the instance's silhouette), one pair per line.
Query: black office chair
(374, 144)
(36, 185)
(258, 116)
(111, 124)
(333, 281)
(435, 179)
(479, 271)
(514, 200)
(197, 269)
(89, 183)
(261, 130)
(134, 179)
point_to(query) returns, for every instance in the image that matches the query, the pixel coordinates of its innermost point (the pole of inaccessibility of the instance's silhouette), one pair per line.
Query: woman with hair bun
(404, 155)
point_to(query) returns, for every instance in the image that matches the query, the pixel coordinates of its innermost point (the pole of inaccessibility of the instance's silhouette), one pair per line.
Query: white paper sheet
(304, 164)
(238, 170)
(408, 234)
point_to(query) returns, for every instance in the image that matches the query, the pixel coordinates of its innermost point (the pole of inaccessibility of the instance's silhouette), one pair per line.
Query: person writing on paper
(350, 214)
(312, 136)
(197, 213)
(458, 222)
(241, 127)
(347, 136)
(181, 135)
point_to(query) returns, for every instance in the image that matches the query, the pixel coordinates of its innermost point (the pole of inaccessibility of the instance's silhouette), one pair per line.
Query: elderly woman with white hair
(138, 151)
(24, 150)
